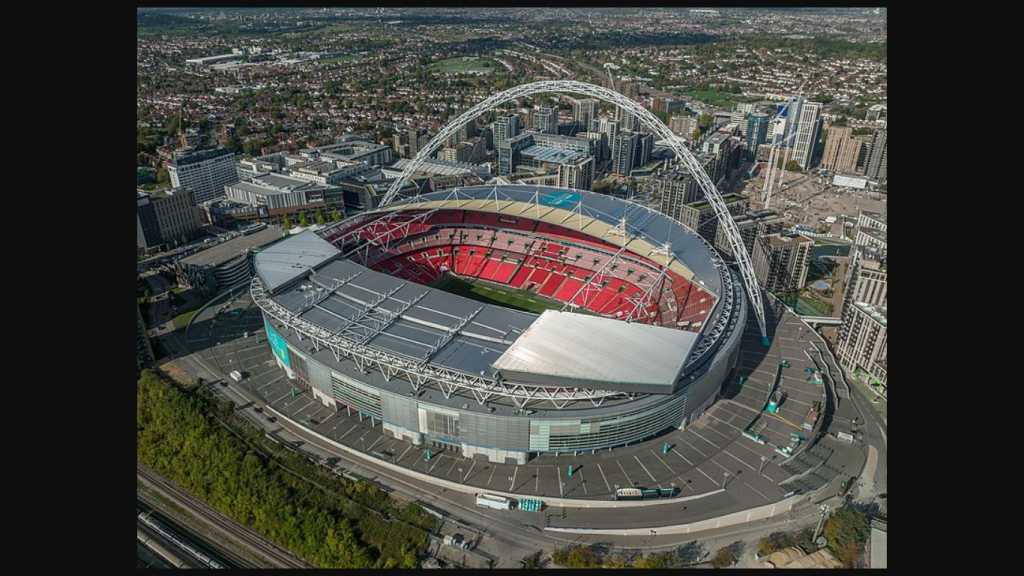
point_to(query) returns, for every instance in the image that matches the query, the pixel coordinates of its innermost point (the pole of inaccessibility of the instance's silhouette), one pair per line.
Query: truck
(493, 501)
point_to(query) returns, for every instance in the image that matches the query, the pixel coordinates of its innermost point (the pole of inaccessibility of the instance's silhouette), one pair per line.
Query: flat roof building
(228, 263)
(781, 261)
(164, 217)
(204, 172)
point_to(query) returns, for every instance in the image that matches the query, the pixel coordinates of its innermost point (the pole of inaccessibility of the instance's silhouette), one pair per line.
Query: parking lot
(699, 460)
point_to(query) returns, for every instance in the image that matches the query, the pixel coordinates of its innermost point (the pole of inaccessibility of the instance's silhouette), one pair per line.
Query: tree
(320, 217)
(303, 221)
(534, 561)
(162, 176)
(846, 532)
(287, 223)
(696, 134)
(335, 215)
(728, 555)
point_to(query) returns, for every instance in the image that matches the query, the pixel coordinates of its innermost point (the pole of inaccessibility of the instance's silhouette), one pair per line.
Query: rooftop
(549, 154)
(614, 355)
(728, 199)
(286, 260)
(233, 248)
(878, 313)
(201, 155)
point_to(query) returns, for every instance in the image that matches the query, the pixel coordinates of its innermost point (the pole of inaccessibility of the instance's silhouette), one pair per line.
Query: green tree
(696, 134)
(287, 223)
(846, 532)
(163, 176)
(335, 215)
(320, 217)
(728, 555)
(303, 221)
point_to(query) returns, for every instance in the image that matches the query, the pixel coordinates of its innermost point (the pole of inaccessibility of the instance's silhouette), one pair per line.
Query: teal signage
(559, 200)
(277, 344)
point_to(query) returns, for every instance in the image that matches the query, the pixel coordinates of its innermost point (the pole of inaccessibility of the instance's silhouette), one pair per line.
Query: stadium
(505, 321)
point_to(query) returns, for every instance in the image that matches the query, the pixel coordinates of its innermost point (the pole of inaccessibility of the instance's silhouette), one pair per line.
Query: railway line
(276, 556)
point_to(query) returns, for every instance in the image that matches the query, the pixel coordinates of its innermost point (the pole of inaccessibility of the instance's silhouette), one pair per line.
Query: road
(505, 537)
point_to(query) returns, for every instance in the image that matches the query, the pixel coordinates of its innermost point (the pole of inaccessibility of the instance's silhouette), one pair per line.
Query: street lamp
(763, 460)
(725, 479)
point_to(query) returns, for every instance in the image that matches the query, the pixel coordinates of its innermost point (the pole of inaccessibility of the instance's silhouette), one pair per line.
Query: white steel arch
(650, 121)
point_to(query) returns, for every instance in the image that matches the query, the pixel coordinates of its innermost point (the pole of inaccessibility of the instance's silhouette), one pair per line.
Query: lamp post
(725, 479)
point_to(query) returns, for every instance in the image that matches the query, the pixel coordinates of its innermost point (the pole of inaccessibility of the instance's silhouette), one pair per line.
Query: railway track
(278, 557)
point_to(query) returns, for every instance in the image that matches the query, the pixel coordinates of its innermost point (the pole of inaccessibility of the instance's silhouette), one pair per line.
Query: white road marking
(628, 479)
(685, 459)
(663, 462)
(708, 477)
(645, 468)
(604, 478)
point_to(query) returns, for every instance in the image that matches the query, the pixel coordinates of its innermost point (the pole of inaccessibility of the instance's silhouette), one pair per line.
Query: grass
(464, 64)
(515, 299)
(805, 305)
(182, 320)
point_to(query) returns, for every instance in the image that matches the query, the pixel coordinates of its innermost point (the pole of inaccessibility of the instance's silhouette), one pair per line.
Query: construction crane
(611, 81)
(770, 176)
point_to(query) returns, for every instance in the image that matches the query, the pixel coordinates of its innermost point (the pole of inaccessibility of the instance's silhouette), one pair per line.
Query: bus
(645, 493)
(494, 502)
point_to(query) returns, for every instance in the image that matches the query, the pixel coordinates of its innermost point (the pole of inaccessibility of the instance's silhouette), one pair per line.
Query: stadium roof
(401, 317)
(291, 258)
(598, 214)
(565, 348)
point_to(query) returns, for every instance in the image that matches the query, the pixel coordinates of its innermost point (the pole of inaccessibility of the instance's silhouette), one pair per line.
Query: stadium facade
(648, 330)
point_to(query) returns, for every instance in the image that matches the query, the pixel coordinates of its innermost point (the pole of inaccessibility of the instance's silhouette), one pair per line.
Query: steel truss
(647, 119)
(417, 371)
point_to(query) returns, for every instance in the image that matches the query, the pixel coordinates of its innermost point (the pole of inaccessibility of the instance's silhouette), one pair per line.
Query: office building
(683, 126)
(863, 346)
(807, 133)
(673, 189)
(757, 134)
(644, 148)
(628, 122)
(143, 350)
(781, 261)
(505, 128)
(545, 120)
(667, 104)
(624, 152)
(584, 112)
(876, 167)
(509, 151)
(610, 129)
(841, 150)
(598, 144)
(699, 215)
(164, 217)
(204, 173)
(279, 195)
(579, 174)
(751, 225)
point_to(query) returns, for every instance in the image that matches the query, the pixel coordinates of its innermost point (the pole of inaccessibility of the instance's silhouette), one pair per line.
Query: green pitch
(492, 294)
(464, 64)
